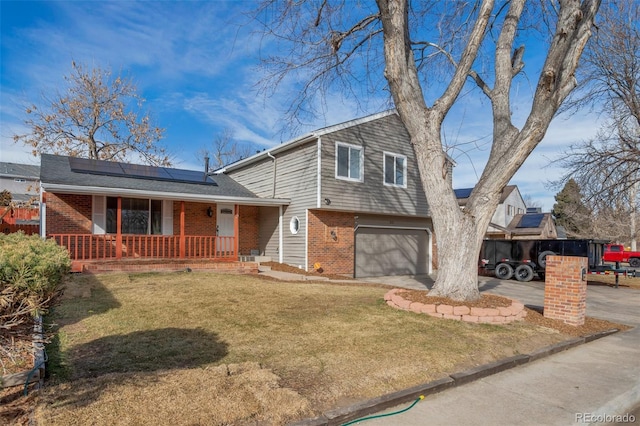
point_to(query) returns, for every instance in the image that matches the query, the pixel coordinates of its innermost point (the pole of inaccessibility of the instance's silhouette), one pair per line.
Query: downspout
(319, 174)
(280, 212)
(273, 195)
(43, 215)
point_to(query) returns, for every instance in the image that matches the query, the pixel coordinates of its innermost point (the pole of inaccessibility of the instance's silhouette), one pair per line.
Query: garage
(381, 251)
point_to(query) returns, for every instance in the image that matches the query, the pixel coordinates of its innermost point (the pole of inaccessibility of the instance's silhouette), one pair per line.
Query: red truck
(617, 253)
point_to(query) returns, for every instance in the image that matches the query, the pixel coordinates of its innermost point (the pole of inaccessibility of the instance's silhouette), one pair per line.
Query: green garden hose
(420, 398)
(33, 370)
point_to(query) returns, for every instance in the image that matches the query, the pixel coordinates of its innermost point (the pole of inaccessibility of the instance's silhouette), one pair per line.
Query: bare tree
(94, 118)
(530, 202)
(335, 42)
(224, 150)
(607, 167)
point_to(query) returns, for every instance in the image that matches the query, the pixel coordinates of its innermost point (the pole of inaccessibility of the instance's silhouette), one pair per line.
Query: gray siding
(296, 179)
(269, 237)
(386, 134)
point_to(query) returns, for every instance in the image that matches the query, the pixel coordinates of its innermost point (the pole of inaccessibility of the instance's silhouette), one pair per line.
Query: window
(395, 170)
(294, 225)
(139, 216)
(349, 162)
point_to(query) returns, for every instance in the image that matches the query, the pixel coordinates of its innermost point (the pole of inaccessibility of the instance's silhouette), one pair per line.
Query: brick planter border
(499, 315)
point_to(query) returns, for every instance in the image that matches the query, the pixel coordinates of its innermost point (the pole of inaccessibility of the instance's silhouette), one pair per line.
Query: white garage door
(383, 251)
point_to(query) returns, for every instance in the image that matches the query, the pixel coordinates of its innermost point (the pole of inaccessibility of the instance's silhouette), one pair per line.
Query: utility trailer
(523, 259)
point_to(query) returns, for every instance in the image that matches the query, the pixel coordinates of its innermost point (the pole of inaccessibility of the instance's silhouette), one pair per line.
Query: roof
(14, 170)
(529, 223)
(73, 175)
(463, 194)
(285, 146)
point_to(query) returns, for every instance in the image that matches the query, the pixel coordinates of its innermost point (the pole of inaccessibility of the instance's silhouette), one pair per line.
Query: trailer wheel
(634, 262)
(524, 273)
(542, 258)
(503, 271)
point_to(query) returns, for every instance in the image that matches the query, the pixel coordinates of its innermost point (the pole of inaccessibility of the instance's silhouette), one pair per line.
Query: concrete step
(254, 258)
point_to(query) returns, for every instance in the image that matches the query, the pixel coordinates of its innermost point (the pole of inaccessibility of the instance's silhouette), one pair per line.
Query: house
(345, 199)
(535, 225)
(104, 210)
(21, 180)
(512, 219)
(22, 213)
(357, 206)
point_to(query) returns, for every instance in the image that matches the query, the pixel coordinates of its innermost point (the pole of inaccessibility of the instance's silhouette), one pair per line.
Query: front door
(225, 220)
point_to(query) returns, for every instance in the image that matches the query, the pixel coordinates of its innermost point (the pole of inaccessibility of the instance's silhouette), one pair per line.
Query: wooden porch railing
(107, 246)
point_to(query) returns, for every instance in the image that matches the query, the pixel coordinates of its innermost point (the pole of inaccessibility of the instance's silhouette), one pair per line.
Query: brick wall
(331, 241)
(249, 226)
(196, 220)
(68, 214)
(565, 291)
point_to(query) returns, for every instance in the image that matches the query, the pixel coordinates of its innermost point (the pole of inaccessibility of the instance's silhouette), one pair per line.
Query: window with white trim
(294, 225)
(395, 170)
(349, 160)
(139, 216)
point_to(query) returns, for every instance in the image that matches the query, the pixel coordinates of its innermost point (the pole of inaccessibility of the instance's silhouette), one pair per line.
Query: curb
(375, 405)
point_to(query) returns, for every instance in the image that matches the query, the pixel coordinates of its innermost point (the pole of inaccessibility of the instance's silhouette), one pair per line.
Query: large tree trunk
(458, 234)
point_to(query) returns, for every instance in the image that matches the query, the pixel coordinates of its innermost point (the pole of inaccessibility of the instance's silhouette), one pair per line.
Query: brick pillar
(565, 290)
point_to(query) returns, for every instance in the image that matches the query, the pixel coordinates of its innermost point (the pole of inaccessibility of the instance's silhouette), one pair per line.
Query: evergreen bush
(31, 273)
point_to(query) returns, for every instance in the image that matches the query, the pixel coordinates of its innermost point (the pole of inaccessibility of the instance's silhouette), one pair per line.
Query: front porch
(179, 249)
(121, 246)
(164, 265)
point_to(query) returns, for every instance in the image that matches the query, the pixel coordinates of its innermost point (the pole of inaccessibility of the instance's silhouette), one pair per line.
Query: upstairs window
(395, 170)
(349, 160)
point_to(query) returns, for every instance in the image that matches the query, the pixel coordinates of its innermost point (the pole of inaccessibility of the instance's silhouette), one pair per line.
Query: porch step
(254, 258)
(97, 267)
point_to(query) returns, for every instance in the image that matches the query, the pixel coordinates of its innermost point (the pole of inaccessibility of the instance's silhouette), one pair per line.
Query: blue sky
(195, 64)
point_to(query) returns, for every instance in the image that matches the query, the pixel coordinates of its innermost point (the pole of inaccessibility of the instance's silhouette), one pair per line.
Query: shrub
(31, 272)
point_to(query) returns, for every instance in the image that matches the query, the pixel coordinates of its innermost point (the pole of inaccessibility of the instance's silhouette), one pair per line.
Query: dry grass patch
(205, 348)
(610, 280)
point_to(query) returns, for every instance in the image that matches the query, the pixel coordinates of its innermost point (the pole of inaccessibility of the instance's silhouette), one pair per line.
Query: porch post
(183, 240)
(119, 229)
(236, 231)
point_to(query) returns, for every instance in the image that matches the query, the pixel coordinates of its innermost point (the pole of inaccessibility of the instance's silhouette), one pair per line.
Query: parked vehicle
(617, 253)
(523, 259)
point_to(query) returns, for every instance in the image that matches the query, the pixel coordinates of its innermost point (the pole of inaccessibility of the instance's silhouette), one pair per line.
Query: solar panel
(138, 171)
(530, 220)
(463, 193)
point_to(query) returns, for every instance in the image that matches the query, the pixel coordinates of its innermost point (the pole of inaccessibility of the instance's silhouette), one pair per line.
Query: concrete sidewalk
(590, 383)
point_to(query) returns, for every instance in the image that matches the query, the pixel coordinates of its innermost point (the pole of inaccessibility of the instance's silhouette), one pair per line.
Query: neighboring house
(106, 210)
(22, 181)
(512, 219)
(533, 226)
(357, 206)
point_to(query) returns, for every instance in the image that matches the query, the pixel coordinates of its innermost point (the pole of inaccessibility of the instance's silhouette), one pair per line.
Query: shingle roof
(56, 172)
(19, 170)
(463, 193)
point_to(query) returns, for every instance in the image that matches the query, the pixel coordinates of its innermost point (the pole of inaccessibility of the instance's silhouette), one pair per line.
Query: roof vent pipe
(206, 167)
